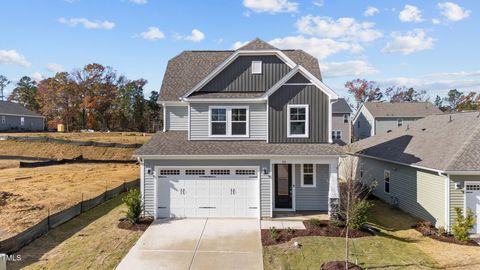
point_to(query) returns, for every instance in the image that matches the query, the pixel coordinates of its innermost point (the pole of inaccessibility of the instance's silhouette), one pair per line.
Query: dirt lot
(59, 151)
(110, 137)
(24, 202)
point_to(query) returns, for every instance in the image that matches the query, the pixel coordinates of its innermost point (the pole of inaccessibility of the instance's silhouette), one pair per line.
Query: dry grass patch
(54, 188)
(106, 137)
(60, 151)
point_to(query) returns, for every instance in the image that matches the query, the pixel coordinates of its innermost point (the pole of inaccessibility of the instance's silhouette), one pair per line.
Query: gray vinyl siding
(238, 77)
(383, 125)
(420, 193)
(312, 198)
(457, 196)
(319, 115)
(366, 124)
(265, 195)
(149, 189)
(339, 124)
(13, 122)
(199, 121)
(177, 117)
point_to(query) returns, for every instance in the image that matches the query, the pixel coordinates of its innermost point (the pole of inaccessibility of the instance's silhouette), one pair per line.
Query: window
(336, 135)
(169, 172)
(358, 124)
(229, 121)
(297, 126)
(345, 118)
(362, 169)
(194, 172)
(256, 67)
(220, 172)
(3, 119)
(22, 121)
(386, 180)
(245, 172)
(399, 122)
(308, 175)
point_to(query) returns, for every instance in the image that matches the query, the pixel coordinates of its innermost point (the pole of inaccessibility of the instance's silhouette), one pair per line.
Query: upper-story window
(336, 135)
(297, 126)
(399, 122)
(256, 67)
(345, 118)
(228, 121)
(22, 121)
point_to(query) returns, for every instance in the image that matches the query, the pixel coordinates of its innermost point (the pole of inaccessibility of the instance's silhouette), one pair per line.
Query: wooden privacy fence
(22, 239)
(64, 141)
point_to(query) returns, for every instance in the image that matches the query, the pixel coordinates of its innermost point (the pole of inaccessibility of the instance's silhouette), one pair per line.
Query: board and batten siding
(177, 117)
(312, 198)
(457, 196)
(238, 77)
(318, 109)
(199, 113)
(420, 193)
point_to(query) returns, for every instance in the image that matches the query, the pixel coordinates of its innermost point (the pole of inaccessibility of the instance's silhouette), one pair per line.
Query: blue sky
(430, 45)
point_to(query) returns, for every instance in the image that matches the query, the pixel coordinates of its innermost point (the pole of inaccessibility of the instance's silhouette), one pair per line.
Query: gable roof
(187, 69)
(12, 108)
(401, 109)
(341, 106)
(434, 142)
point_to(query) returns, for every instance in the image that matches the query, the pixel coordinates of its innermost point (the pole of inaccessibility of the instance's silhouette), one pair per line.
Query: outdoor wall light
(458, 185)
(265, 170)
(149, 171)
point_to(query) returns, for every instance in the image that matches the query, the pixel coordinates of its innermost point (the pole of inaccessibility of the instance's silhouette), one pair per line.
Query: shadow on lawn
(34, 251)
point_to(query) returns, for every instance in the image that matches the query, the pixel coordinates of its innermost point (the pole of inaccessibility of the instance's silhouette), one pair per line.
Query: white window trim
(389, 182)
(341, 135)
(228, 122)
(253, 65)
(400, 120)
(306, 135)
(302, 184)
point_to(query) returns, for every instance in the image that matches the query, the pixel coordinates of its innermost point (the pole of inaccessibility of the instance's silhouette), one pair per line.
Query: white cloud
(453, 12)
(435, 21)
(37, 76)
(271, 6)
(408, 43)
(319, 3)
(410, 14)
(320, 48)
(343, 28)
(55, 68)
(196, 36)
(435, 86)
(139, 2)
(239, 44)
(347, 69)
(107, 25)
(153, 33)
(370, 11)
(13, 57)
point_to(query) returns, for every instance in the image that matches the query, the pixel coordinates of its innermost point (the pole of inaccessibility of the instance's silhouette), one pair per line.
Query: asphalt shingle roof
(401, 109)
(176, 143)
(188, 68)
(442, 142)
(7, 107)
(341, 106)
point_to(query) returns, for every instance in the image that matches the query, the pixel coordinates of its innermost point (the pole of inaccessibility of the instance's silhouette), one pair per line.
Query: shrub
(442, 231)
(463, 224)
(337, 222)
(360, 215)
(290, 230)
(274, 234)
(314, 222)
(133, 200)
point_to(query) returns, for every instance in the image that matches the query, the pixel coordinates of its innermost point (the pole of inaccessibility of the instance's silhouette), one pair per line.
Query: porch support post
(333, 193)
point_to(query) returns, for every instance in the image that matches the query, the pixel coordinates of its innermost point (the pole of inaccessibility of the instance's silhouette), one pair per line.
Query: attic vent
(256, 67)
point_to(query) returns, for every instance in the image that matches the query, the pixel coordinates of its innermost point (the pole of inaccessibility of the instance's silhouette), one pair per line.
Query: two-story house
(374, 118)
(341, 122)
(247, 133)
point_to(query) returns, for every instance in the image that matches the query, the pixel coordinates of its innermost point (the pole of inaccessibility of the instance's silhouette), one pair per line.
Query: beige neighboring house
(427, 169)
(373, 118)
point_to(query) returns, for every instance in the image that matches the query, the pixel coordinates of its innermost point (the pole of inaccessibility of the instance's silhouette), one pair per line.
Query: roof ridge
(464, 146)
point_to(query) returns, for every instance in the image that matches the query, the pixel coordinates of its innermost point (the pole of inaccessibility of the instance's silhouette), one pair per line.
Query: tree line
(93, 97)
(364, 90)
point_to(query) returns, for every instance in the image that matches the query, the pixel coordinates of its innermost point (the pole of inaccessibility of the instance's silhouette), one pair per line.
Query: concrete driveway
(197, 244)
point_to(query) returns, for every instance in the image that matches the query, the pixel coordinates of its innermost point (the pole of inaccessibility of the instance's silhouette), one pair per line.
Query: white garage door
(208, 192)
(472, 197)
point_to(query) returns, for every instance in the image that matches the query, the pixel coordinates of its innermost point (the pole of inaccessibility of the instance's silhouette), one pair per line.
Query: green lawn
(89, 241)
(386, 251)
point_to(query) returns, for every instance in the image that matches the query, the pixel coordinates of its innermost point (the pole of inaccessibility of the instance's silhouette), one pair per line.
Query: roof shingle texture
(401, 109)
(7, 107)
(176, 143)
(434, 142)
(188, 68)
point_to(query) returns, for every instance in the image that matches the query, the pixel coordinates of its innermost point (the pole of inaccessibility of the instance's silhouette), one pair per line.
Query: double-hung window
(399, 122)
(22, 121)
(297, 126)
(336, 135)
(346, 118)
(229, 122)
(308, 175)
(386, 180)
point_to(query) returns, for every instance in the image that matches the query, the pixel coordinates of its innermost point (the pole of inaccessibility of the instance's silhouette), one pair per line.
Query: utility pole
(3, 83)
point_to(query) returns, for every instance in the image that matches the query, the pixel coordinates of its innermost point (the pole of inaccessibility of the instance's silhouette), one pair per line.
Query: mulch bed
(426, 229)
(339, 265)
(142, 224)
(323, 229)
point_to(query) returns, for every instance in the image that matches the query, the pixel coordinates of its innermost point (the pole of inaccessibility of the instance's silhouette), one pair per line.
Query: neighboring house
(247, 133)
(374, 118)
(341, 123)
(428, 168)
(14, 116)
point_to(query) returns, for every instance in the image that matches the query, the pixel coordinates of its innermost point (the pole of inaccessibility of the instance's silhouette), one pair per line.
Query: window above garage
(231, 121)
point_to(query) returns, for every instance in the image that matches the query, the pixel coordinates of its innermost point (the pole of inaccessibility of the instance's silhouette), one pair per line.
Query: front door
(283, 186)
